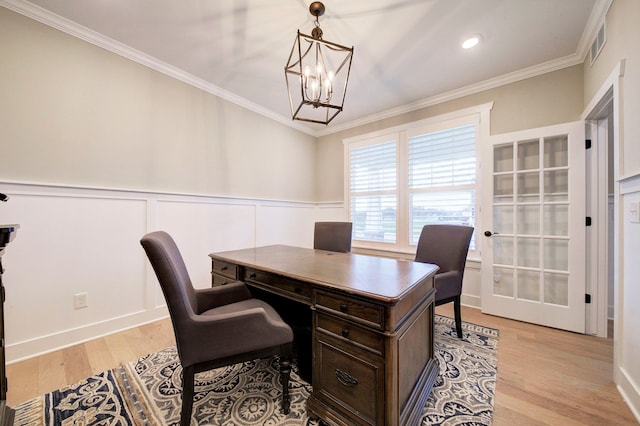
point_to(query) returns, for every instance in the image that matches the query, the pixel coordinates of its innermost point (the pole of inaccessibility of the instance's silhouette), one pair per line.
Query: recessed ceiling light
(471, 42)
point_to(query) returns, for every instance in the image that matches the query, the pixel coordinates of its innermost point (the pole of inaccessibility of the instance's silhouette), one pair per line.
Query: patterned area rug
(148, 391)
(463, 391)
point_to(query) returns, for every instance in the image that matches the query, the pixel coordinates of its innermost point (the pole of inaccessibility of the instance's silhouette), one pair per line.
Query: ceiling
(407, 53)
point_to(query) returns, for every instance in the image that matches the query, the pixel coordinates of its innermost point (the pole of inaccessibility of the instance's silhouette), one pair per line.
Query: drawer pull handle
(345, 332)
(346, 379)
(224, 268)
(343, 307)
(252, 276)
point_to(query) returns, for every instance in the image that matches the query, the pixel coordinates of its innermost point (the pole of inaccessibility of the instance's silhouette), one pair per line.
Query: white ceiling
(406, 52)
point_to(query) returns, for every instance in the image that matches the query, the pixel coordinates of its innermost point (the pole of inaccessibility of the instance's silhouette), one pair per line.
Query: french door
(533, 236)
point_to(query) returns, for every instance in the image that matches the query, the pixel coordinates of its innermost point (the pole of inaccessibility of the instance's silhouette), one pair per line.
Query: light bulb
(471, 42)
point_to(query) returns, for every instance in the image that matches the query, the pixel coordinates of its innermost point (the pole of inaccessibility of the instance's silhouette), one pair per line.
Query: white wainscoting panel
(87, 240)
(471, 284)
(285, 224)
(69, 244)
(203, 227)
(627, 293)
(331, 212)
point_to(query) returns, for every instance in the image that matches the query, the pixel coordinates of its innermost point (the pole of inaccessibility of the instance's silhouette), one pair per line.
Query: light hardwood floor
(545, 376)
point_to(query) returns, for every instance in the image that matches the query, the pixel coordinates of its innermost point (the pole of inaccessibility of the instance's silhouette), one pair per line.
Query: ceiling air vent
(598, 43)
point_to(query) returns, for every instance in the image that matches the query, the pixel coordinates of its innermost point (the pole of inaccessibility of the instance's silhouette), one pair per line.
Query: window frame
(478, 115)
(376, 140)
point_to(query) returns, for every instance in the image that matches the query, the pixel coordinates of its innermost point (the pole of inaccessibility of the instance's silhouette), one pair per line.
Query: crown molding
(74, 29)
(471, 89)
(598, 15)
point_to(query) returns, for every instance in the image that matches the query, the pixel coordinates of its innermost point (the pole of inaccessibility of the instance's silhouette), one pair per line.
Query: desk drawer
(350, 381)
(217, 280)
(364, 312)
(350, 331)
(280, 285)
(225, 269)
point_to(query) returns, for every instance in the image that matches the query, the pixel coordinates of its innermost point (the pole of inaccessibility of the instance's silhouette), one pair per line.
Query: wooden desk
(371, 330)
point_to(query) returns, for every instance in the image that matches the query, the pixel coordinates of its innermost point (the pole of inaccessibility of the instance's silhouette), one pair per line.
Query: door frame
(609, 91)
(596, 129)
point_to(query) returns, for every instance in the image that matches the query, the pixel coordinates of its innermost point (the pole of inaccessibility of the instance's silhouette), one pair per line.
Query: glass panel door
(532, 255)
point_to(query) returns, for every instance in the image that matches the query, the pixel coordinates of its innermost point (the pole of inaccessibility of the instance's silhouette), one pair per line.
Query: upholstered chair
(332, 236)
(217, 326)
(446, 246)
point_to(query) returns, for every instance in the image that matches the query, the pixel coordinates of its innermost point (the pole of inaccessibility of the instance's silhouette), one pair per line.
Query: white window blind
(401, 178)
(373, 186)
(442, 178)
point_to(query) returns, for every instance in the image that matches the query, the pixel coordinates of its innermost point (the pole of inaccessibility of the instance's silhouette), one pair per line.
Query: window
(373, 183)
(442, 178)
(422, 173)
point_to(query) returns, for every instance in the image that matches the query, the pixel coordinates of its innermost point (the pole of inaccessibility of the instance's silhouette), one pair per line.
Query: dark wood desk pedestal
(7, 234)
(371, 331)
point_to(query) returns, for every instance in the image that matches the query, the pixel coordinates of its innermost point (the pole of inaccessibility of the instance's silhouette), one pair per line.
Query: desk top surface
(382, 278)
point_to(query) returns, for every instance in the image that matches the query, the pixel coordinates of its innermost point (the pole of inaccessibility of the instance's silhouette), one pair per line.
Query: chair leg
(188, 374)
(456, 311)
(285, 373)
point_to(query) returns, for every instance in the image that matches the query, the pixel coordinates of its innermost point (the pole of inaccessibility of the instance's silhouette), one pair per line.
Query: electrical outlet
(80, 300)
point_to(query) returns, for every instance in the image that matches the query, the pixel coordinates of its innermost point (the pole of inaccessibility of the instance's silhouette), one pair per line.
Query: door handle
(489, 233)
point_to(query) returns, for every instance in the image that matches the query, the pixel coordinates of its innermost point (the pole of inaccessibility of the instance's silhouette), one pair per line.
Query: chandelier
(317, 74)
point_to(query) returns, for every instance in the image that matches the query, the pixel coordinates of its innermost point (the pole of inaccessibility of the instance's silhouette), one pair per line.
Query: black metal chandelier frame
(316, 92)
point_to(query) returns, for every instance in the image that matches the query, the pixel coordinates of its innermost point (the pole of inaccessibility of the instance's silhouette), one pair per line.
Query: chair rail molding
(78, 239)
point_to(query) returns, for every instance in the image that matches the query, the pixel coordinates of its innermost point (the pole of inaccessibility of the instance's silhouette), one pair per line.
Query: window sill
(472, 262)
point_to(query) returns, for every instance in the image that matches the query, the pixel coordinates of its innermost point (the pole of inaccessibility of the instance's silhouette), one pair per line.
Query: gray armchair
(216, 326)
(446, 246)
(332, 236)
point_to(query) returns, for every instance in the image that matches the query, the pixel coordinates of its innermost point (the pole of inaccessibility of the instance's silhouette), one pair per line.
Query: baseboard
(44, 344)
(630, 392)
(470, 300)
